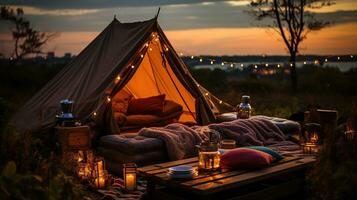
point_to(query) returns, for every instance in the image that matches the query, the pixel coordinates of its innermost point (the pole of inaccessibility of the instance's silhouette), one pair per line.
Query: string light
(326, 60)
(291, 64)
(220, 102)
(193, 57)
(338, 58)
(142, 56)
(147, 44)
(222, 63)
(316, 62)
(198, 85)
(206, 94)
(201, 60)
(232, 65)
(153, 35)
(255, 66)
(304, 62)
(181, 54)
(118, 78)
(132, 67)
(166, 49)
(351, 56)
(278, 65)
(242, 65)
(150, 49)
(211, 62)
(94, 114)
(108, 99)
(267, 65)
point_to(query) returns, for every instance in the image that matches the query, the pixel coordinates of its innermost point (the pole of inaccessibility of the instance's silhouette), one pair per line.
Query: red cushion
(151, 105)
(244, 158)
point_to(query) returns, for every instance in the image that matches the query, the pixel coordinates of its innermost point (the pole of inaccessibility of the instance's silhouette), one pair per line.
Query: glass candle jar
(208, 158)
(244, 109)
(129, 174)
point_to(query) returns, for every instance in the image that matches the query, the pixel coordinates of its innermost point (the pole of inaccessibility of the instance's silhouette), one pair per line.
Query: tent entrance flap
(154, 76)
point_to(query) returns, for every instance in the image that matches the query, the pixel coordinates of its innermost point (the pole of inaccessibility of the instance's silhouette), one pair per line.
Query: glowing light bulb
(108, 99)
(147, 44)
(222, 63)
(278, 65)
(266, 65)
(198, 85)
(206, 93)
(220, 102)
(118, 78)
(150, 49)
(153, 34)
(304, 62)
(211, 62)
(232, 65)
(316, 62)
(351, 56)
(192, 57)
(326, 60)
(132, 67)
(181, 54)
(291, 64)
(94, 114)
(142, 56)
(166, 49)
(255, 66)
(242, 65)
(338, 58)
(201, 60)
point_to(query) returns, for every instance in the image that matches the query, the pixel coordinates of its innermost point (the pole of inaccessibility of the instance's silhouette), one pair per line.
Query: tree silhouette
(27, 40)
(293, 20)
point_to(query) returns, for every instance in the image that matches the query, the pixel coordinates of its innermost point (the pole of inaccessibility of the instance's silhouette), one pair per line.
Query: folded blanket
(180, 140)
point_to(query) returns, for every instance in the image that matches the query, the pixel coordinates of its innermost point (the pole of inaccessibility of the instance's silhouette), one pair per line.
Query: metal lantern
(129, 173)
(312, 133)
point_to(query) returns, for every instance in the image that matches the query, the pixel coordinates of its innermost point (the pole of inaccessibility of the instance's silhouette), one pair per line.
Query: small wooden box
(74, 138)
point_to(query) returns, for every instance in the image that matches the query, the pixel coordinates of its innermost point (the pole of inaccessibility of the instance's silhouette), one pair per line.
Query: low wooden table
(281, 179)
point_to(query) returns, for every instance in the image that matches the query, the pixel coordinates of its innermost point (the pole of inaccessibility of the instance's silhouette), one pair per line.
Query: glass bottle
(244, 110)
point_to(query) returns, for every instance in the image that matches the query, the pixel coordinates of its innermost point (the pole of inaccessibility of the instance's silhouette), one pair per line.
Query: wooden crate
(74, 138)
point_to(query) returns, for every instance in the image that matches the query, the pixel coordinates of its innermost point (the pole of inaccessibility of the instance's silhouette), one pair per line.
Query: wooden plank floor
(225, 179)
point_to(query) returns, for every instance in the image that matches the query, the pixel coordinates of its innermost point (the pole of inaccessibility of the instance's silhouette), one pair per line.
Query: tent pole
(158, 12)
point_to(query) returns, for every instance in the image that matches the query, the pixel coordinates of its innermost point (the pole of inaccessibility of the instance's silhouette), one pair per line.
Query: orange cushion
(244, 158)
(151, 105)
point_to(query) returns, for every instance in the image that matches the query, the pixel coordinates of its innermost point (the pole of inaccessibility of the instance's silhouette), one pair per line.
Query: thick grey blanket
(180, 140)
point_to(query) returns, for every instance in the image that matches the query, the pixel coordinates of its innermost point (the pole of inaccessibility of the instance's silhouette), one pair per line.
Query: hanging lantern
(129, 173)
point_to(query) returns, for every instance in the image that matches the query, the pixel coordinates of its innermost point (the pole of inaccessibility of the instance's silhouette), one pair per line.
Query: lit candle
(130, 181)
(100, 182)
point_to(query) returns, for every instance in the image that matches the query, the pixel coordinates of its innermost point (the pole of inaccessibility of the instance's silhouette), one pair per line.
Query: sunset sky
(194, 27)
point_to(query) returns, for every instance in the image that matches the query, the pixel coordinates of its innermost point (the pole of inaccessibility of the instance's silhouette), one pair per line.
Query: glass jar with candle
(100, 180)
(244, 109)
(208, 157)
(129, 173)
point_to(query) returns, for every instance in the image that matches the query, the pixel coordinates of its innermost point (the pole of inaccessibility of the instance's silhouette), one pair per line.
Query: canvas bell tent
(135, 57)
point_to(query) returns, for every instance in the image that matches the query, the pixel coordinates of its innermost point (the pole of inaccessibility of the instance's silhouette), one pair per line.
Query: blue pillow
(277, 156)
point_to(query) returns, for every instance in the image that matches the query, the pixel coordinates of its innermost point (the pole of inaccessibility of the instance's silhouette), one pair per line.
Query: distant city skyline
(194, 27)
